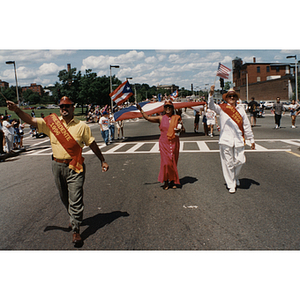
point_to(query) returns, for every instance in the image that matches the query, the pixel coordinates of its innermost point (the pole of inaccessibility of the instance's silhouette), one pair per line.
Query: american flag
(174, 95)
(121, 93)
(223, 71)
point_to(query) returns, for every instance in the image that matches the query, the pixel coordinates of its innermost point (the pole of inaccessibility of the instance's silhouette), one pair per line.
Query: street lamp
(111, 66)
(296, 74)
(11, 62)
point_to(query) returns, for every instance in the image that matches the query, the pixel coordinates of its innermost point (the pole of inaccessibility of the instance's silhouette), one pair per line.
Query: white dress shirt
(230, 134)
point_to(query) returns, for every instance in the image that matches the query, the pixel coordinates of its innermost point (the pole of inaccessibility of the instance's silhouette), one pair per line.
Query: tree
(9, 94)
(227, 85)
(69, 86)
(31, 97)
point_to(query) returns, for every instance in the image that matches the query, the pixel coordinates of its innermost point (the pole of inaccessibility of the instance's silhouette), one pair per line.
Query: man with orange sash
(68, 136)
(234, 129)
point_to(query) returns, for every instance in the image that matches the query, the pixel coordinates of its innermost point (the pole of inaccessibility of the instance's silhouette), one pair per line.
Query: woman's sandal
(173, 185)
(166, 186)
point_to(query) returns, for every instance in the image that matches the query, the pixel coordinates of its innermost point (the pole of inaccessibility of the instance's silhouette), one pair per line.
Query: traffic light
(221, 82)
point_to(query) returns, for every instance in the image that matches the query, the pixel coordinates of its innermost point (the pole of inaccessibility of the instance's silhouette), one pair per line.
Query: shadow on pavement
(187, 179)
(245, 183)
(98, 221)
(94, 223)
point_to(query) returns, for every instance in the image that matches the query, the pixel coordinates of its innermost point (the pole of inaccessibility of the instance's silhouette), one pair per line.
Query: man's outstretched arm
(21, 114)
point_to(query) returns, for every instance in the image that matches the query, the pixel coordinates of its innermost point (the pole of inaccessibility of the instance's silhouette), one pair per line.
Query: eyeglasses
(169, 106)
(65, 106)
(229, 96)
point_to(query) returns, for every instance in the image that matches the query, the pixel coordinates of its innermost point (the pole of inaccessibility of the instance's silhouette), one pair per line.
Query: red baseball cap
(65, 100)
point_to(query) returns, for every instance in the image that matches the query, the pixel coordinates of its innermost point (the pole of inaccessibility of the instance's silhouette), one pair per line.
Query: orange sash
(67, 141)
(232, 112)
(173, 124)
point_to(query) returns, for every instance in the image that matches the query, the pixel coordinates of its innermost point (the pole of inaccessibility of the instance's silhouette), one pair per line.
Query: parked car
(52, 106)
(268, 104)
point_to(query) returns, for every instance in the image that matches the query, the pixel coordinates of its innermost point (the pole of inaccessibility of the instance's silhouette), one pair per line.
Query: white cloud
(22, 57)
(174, 57)
(151, 60)
(49, 69)
(104, 61)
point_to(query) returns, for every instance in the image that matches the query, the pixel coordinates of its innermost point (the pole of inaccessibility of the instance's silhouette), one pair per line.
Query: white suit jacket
(230, 134)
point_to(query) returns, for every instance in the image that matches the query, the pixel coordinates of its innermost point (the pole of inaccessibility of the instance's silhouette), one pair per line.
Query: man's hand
(253, 146)
(105, 167)
(11, 105)
(138, 107)
(212, 90)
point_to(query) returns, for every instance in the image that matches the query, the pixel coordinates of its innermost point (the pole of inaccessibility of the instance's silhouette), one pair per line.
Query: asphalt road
(127, 209)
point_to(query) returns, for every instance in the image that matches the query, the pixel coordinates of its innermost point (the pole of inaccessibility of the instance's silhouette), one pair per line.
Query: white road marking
(203, 146)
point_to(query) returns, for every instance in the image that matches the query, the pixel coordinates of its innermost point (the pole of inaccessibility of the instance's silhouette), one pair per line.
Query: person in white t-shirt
(8, 129)
(104, 127)
(211, 121)
(232, 138)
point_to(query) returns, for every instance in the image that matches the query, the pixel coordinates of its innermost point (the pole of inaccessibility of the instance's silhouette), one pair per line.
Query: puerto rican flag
(149, 108)
(121, 93)
(223, 71)
(174, 95)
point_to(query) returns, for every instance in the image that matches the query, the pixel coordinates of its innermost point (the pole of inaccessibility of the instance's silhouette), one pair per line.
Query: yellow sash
(232, 112)
(67, 141)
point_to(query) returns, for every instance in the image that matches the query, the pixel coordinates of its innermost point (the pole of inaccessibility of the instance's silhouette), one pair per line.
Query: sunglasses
(65, 106)
(170, 106)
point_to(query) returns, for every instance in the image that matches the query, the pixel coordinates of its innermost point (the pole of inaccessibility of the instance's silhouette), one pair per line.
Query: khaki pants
(70, 187)
(232, 160)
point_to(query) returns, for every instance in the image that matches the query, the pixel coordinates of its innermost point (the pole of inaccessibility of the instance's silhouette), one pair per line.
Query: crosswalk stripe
(155, 148)
(290, 142)
(202, 146)
(134, 147)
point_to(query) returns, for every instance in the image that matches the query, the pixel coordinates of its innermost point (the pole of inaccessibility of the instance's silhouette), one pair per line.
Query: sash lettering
(67, 141)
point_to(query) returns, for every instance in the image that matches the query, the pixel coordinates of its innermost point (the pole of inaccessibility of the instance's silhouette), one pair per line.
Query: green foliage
(31, 97)
(85, 88)
(227, 85)
(9, 93)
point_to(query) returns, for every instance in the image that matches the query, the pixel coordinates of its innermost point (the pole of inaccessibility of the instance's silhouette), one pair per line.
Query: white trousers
(232, 160)
(9, 142)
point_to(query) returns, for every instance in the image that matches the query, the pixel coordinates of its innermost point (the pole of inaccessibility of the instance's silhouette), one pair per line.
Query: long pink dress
(169, 153)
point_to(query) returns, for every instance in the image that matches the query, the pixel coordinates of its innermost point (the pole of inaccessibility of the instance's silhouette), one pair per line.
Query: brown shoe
(76, 238)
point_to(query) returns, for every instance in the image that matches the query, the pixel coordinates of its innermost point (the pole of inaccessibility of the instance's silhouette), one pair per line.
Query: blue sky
(179, 67)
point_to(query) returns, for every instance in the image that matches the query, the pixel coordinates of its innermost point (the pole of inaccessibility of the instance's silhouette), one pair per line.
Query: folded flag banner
(223, 71)
(174, 95)
(149, 108)
(121, 93)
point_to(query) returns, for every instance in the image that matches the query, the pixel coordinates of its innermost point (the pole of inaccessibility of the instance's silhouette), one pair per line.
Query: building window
(258, 69)
(268, 68)
(277, 69)
(287, 70)
(258, 79)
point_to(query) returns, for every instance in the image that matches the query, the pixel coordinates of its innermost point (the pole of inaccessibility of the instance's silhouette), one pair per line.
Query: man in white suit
(235, 128)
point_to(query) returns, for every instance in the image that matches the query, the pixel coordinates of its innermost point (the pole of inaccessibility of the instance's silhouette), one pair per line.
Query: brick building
(172, 87)
(264, 81)
(34, 87)
(4, 84)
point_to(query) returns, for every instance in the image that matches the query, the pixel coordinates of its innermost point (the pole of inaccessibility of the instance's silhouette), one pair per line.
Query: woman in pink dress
(170, 125)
